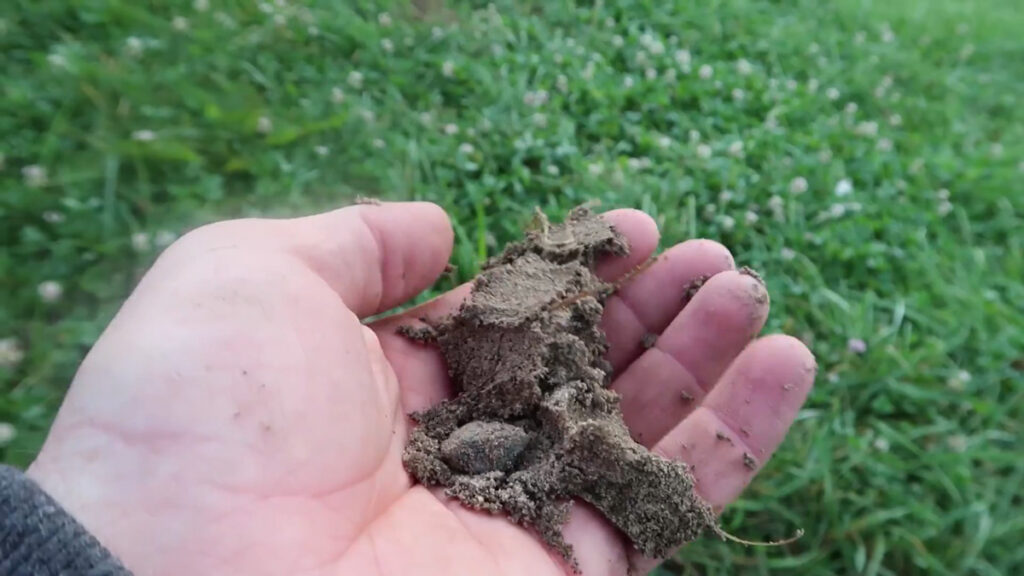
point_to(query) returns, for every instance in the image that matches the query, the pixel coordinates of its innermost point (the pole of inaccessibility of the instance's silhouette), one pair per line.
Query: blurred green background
(866, 157)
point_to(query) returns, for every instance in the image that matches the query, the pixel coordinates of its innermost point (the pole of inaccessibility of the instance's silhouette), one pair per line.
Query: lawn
(866, 157)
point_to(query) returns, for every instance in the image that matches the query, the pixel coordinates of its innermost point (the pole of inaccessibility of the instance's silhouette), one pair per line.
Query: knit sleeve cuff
(39, 538)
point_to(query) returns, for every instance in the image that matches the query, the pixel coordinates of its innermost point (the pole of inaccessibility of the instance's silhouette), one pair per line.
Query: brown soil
(533, 423)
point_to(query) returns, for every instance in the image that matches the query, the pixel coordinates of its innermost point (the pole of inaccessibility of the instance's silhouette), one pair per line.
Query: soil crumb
(533, 424)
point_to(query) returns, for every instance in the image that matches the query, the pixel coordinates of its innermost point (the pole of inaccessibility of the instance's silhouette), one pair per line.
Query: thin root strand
(726, 536)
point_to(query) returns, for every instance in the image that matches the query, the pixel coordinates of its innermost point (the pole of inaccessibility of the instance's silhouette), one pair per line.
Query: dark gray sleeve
(39, 538)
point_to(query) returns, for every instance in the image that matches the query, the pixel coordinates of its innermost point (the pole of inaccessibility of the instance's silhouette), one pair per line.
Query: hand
(237, 417)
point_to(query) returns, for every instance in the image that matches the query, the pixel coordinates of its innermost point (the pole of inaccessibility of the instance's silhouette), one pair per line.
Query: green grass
(907, 458)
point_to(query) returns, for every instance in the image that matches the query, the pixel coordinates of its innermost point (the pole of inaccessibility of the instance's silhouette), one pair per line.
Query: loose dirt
(533, 424)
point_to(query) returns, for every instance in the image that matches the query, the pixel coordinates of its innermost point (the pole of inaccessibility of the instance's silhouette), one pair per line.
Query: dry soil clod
(533, 424)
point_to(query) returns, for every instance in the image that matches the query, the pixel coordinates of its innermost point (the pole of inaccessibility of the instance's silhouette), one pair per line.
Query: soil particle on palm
(533, 423)
(648, 341)
(749, 461)
(693, 287)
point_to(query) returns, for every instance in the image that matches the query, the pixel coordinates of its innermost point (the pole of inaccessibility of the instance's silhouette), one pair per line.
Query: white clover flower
(683, 58)
(944, 208)
(368, 115)
(143, 135)
(856, 346)
(843, 188)
(706, 72)
(378, 143)
(895, 120)
(744, 67)
(201, 5)
(881, 444)
(562, 83)
(595, 168)
(703, 151)
(887, 34)
(553, 170)
(57, 60)
(825, 155)
(466, 148)
(664, 141)
(448, 68)
(7, 433)
(387, 45)
(337, 95)
(618, 41)
(164, 238)
(693, 135)
(384, 19)
(141, 242)
(588, 70)
(798, 185)
(670, 75)
(812, 85)
(11, 354)
(35, 176)
(180, 23)
(851, 108)
(280, 19)
(436, 33)
(867, 129)
(727, 222)
(134, 46)
(750, 217)
(536, 98)
(725, 196)
(355, 79)
(628, 82)
(224, 20)
(321, 150)
(787, 254)
(736, 148)
(53, 217)
(738, 94)
(540, 119)
(50, 291)
(996, 150)
(657, 48)
(264, 125)
(832, 93)
(860, 37)
(451, 129)
(884, 145)
(650, 73)
(957, 443)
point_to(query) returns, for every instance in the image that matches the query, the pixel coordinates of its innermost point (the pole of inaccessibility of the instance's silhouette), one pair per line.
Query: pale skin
(239, 416)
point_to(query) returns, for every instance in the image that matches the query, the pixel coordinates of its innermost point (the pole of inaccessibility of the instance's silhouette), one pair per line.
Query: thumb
(374, 256)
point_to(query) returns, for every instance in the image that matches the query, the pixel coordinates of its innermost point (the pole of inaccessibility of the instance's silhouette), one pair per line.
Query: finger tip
(791, 356)
(639, 228)
(712, 254)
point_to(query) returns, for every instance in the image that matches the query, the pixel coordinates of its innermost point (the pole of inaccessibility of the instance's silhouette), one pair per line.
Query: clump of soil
(533, 423)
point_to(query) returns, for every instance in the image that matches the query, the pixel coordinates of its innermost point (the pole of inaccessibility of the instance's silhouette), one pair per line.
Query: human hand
(237, 417)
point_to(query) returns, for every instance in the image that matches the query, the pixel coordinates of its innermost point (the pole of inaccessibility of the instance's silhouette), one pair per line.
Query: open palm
(238, 416)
